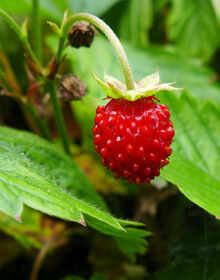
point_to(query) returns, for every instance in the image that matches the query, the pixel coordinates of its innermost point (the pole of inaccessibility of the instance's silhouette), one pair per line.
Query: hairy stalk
(37, 31)
(129, 80)
(59, 117)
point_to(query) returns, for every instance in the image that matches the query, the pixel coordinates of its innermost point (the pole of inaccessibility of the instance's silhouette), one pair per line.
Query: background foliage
(182, 37)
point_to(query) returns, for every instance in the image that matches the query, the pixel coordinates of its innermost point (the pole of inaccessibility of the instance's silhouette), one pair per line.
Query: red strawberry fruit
(133, 133)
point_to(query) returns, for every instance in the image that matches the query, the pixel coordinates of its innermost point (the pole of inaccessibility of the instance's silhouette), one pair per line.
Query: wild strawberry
(133, 133)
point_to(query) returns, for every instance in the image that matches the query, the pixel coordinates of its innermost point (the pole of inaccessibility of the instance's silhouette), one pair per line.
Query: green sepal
(148, 92)
(150, 81)
(65, 18)
(55, 27)
(145, 88)
(24, 29)
(112, 81)
(105, 87)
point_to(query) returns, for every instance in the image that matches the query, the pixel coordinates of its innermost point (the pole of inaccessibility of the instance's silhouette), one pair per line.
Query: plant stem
(37, 31)
(21, 35)
(59, 117)
(129, 80)
(14, 87)
(40, 122)
(4, 81)
(39, 259)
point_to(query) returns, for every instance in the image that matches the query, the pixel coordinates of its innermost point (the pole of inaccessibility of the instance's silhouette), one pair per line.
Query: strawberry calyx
(145, 88)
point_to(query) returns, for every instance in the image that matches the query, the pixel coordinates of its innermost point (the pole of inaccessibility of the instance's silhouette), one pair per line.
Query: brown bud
(71, 87)
(81, 34)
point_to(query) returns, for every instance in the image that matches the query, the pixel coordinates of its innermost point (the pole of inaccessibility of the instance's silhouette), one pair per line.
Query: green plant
(61, 176)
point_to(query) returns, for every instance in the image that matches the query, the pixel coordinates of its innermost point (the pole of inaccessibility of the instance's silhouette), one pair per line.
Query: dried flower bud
(81, 34)
(71, 87)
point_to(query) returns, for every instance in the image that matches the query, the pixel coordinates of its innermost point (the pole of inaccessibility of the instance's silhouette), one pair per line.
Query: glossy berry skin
(133, 138)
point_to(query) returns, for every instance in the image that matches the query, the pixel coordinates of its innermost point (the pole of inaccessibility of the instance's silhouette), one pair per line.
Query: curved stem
(129, 80)
(21, 36)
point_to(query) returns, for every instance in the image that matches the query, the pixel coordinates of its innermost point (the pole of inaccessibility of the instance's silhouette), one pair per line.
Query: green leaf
(50, 9)
(36, 173)
(194, 165)
(55, 27)
(159, 5)
(9, 202)
(53, 9)
(132, 243)
(187, 74)
(92, 7)
(135, 243)
(136, 22)
(216, 5)
(30, 232)
(193, 26)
